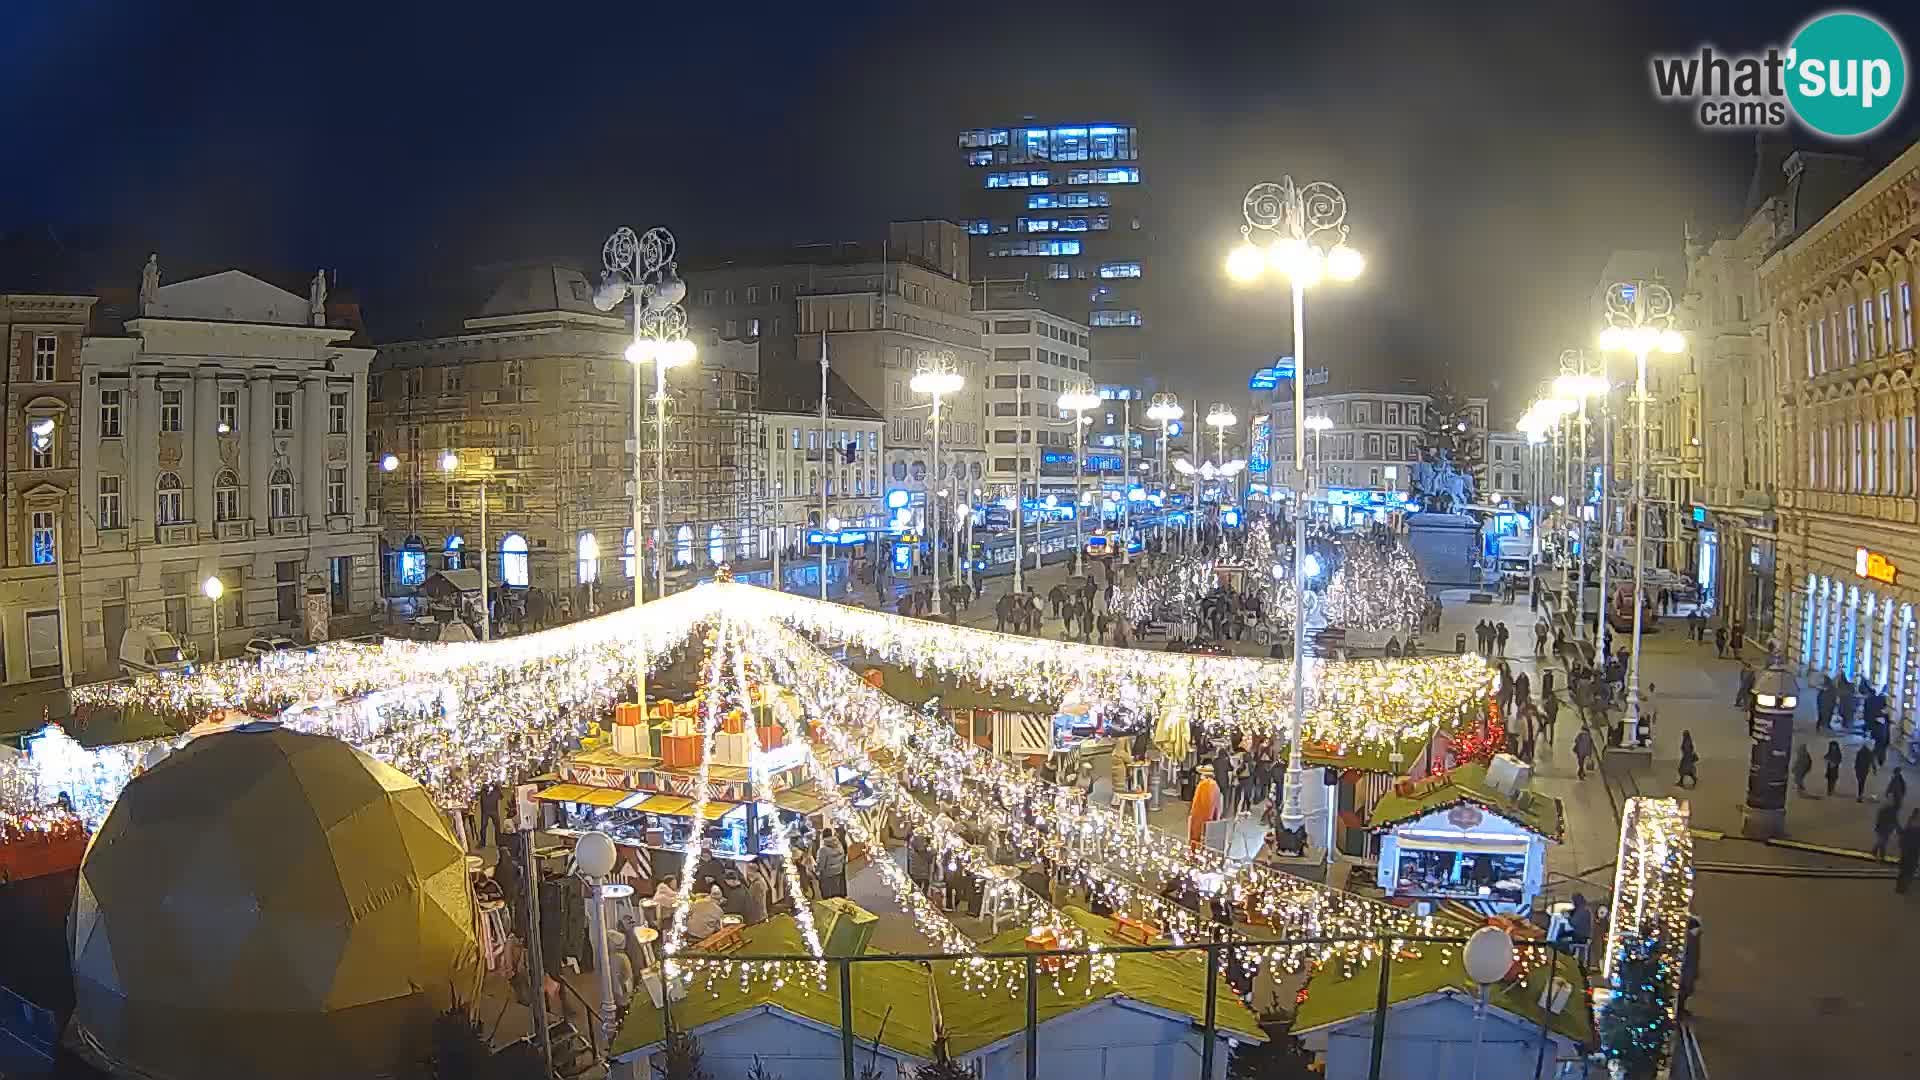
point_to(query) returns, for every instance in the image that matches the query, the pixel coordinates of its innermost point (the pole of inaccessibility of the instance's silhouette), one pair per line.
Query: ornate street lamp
(1077, 401)
(936, 378)
(1640, 318)
(1301, 235)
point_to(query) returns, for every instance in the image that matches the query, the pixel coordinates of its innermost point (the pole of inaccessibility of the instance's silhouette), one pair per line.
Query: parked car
(269, 644)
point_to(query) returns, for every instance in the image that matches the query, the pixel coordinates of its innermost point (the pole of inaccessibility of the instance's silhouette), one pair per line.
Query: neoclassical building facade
(1840, 303)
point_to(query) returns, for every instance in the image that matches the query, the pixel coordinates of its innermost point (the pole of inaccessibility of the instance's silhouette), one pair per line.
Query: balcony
(288, 526)
(339, 524)
(241, 529)
(113, 539)
(175, 534)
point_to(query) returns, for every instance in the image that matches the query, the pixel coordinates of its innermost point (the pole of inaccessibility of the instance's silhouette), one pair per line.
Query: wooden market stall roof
(896, 993)
(1333, 996)
(903, 685)
(1375, 758)
(1530, 810)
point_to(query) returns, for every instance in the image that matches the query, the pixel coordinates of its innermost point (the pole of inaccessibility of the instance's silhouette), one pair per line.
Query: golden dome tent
(268, 903)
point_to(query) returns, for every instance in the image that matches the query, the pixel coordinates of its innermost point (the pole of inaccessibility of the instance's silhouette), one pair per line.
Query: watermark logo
(1842, 75)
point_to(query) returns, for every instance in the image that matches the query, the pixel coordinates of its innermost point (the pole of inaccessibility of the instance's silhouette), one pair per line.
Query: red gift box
(626, 713)
(735, 723)
(680, 751)
(771, 735)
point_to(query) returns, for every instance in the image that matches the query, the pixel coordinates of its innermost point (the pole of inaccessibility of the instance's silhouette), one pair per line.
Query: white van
(146, 649)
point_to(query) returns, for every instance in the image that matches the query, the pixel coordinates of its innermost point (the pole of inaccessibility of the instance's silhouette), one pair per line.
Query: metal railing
(1221, 956)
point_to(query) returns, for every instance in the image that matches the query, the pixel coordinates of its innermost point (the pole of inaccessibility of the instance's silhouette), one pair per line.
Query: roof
(1370, 758)
(1333, 997)
(795, 389)
(902, 685)
(896, 993)
(464, 580)
(1468, 784)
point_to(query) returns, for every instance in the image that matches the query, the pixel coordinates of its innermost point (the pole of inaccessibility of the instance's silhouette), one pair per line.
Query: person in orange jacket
(1206, 807)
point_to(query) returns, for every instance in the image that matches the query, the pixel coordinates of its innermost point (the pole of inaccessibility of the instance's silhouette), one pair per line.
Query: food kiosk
(1463, 837)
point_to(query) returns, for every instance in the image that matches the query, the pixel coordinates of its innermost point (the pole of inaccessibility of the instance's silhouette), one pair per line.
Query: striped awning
(584, 795)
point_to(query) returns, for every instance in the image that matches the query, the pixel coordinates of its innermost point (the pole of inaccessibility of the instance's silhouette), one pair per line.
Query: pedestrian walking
(1846, 701)
(1896, 795)
(1550, 714)
(1885, 823)
(1720, 641)
(1539, 639)
(1546, 684)
(1744, 695)
(1802, 767)
(1823, 706)
(1500, 637)
(1909, 852)
(1833, 759)
(1862, 768)
(1689, 761)
(1583, 751)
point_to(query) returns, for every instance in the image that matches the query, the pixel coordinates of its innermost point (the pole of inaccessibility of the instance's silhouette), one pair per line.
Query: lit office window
(1120, 270)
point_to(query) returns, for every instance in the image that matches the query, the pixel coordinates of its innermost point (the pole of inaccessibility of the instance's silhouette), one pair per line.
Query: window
(42, 444)
(453, 495)
(1019, 179)
(280, 494)
(706, 297)
(226, 497)
(1866, 329)
(1853, 337)
(773, 293)
(109, 414)
(229, 412)
(283, 407)
(753, 328)
(42, 526)
(1126, 175)
(733, 328)
(873, 440)
(43, 644)
(513, 560)
(753, 294)
(410, 383)
(516, 373)
(1015, 248)
(716, 544)
(516, 439)
(1887, 341)
(336, 413)
(1108, 317)
(626, 558)
(170, 410)
(107, 502)
(1120, 270)
(168, 507)
(1906, 315)
(683, 546)
(1811, 371)
(336, 491)
(46, 350)
(453, 379)
(588, 558)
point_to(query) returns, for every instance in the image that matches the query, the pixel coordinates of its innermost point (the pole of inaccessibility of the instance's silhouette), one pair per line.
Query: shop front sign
(1465, 818)
(1874, 566)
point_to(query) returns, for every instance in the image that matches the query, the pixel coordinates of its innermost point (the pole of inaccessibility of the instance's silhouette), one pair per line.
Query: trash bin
(1460, 644)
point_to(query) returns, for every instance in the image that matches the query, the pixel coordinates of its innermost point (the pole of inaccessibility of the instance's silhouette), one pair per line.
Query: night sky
(1492, 155)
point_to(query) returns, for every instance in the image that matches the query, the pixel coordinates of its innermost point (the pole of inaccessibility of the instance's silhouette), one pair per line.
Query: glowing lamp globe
(263, 902)
(641, 351)
(1488, 955)
(1344, 263)
(594, 855)
(1245, 263)
(678, 353)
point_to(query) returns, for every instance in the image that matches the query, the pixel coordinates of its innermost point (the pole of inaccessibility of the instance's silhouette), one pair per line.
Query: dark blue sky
(1492, 153)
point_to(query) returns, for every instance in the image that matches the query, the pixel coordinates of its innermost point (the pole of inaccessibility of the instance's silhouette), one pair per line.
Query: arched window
(169, 506)
(716, 544)
(453, 554)
(627, 558)
(589, 549)
(280, 494)
(683, 546)
(226, 496)
(516, 439)
(746, 542)
(513, 560)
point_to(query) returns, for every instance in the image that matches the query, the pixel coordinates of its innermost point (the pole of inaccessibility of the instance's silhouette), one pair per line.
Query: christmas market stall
(1367, 773)
(1474, 835)
(1533, 1017)
(638, 784)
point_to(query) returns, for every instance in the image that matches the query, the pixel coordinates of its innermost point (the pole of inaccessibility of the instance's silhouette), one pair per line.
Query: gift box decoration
(735, 722)
(626, 714)
(685, 725)
(730, 748)
(656, 732)
(771, 735)
(628, 740)
(680, 751)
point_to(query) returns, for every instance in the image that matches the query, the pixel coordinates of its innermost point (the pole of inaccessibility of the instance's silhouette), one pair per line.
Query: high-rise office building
(1063, 208)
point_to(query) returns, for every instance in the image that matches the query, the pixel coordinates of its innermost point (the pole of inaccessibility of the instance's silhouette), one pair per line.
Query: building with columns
(43, 335)
(222, 432)
(1838, 301)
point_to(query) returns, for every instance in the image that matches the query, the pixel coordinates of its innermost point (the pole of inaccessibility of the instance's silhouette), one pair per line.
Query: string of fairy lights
(1652, 887)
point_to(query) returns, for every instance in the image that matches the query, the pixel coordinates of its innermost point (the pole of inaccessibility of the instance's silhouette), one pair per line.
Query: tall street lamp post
(642, 268)
(1166, 409)
(1319, 425)
(1221, 418)
(935, 378)
(214, 589)
(449, 464)
(1574, 390)
(1077, 401)
(1304, 232)
(1640, 316)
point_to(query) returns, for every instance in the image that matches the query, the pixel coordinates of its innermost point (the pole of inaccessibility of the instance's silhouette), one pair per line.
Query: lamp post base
(1292, 815)
(1758, 824)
